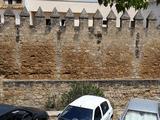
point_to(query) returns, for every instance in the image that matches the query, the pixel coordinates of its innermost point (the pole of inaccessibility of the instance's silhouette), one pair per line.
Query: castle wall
(45, 60)
(76, 53)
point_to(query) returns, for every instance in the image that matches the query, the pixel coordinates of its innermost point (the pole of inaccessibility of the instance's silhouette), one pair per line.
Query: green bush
(50, 104)
(79, 89)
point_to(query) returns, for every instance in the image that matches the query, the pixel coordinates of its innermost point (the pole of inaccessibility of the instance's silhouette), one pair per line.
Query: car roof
(143, 105)
(6, 108)
(88, 101)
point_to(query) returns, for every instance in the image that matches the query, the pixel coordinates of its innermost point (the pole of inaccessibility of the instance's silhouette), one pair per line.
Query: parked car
(88, 107)
(141, 109)
(10, 112)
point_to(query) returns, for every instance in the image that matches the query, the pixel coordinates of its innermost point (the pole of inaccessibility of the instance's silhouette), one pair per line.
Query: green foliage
(121, 5)
(79, 89)
(50, 102)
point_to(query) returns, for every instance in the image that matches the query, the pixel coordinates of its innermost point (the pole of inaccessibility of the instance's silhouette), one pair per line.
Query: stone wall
(1, 90)
(119, 92)
(76, 53)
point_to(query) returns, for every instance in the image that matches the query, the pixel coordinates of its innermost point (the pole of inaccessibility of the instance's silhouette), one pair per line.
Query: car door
(105, 111)
(97, 114)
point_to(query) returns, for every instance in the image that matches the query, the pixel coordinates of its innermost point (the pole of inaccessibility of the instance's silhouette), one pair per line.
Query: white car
(88, 107)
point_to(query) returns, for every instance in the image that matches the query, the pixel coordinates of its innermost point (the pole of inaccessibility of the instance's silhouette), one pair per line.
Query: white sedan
(88, 107)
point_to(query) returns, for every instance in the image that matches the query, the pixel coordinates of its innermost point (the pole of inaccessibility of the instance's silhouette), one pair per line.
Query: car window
(104, 107)
(73, 112)
(136, 115)
(97, 114)
(21, 115)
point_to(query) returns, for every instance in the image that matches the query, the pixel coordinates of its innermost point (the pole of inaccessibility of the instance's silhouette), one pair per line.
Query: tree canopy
(121, 5)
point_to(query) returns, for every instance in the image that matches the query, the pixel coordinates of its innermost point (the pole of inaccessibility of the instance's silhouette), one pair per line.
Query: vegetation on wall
(77, 90)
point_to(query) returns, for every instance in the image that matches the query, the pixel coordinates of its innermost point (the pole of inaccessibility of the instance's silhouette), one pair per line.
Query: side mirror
(58, 114)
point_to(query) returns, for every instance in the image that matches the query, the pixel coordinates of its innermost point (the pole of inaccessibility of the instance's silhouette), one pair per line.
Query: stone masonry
(1, 90)
(42, 61)
(75, 53)
(119, 92)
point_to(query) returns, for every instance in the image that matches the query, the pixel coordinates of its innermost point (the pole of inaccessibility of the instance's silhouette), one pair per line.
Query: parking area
(53, 114)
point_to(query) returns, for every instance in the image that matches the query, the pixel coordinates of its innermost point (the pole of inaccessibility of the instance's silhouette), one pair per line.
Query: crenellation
(24, 24)
(111, 22)
(138, 19)
(55, 18)
(55, 22)
(125, 20)
(40, 21)
(151, 20)
(9, 18)
(69, 21)
(97, 22)
(9, 12)
(83, 21)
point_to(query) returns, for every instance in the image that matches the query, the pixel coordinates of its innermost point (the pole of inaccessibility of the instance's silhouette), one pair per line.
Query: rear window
(138, 115)
(104, 107)
(76, 113)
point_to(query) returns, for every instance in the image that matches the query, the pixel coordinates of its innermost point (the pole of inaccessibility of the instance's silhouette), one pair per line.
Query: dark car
(141, 109)
(10, 112)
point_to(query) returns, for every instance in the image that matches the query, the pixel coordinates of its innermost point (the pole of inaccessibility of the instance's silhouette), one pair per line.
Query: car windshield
(138, 115)
(76, 113)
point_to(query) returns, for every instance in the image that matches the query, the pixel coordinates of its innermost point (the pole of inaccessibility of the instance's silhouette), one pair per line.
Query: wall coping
(70, 81)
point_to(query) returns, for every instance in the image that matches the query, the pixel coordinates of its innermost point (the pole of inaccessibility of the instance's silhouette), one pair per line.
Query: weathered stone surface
(69, 52)
(150, 63)
(111, 16)
(24, 12)
(55, 13)
(125, 16)
(9, 12)
(36, 93)
(98, 15)
(39, 13)
(84, 14)
(1, 89)
(151, 16)
(37, 62)
(69, 14)
(138, 16)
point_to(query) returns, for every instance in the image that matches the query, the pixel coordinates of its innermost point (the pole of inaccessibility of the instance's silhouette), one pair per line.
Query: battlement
(63, 18)
(55, 49)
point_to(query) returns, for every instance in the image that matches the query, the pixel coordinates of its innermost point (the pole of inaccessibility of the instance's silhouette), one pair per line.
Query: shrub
(79, 89)
(50, 104)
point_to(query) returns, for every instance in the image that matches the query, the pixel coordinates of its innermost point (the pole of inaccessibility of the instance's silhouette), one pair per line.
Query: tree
(121, 5)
